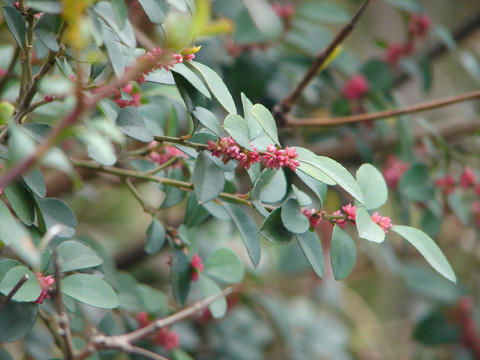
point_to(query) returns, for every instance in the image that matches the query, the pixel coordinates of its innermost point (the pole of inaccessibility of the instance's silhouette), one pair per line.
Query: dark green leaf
(16, 24)
(45, 30)
(210, 288)
(130, 122)
(156, 10)
(55, 211)
(416, 184)
(216, 85)
(273, 230)
(461, 206)
(208, 119)
(208, 179)
(247, 229)
(197, 214)
(21, 202)
(274, 185)
(266, 121)
(4, 354)
(292, 217)
(225, 265)
(155, 237)
(431, 223)
(437, 329)
(48, 6)
(192, 78)
(30, 290)
(367, 228)
(16, 320)
(180, 275)
(190, 95)
(428, 248)
(323, 12)
(154, 300)
(312, 248)
(373, 186)
(6, 265)
(74, 256)
(379, 74)
(237, 128)
(343, 253)
(10, 231)
(173, 194)
(90, 290)
(35, 182)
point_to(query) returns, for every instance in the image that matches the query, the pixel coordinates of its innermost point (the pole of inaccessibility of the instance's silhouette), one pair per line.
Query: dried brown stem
(283, 108)
(429, 105)
(12, 292)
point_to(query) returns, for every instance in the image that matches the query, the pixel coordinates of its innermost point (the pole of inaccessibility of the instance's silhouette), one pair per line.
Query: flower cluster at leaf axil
(46, 283)
(468, 180)
(196, 267)
(228, 149)
(161, 154)
(164, 337)
(348, 215)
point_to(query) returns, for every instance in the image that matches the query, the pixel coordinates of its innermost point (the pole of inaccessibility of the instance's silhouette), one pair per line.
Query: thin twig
(39, 103)
(165, 165)
(12, 292)
(147, 208)
(145, 353)
(429, 105)
(64, 328)
(283, 108)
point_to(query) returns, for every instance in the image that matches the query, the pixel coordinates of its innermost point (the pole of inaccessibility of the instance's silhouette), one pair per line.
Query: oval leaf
(367, 228)
(237, 128)
(180, 275)
(343, 253)
(312, 248)
(292, 217)
(225, 265)
(266, 121)
(273, 230)
(35, 182)
(192, 78)
(208, 179)
(21, 202)
(156, 10)
(209, 288)
(208, 119)
(74, 255)
(16, 24)
(55, 211)
(248, 231)
(373, 186)
(155, 237)
(130, 122)
(16, 320)
(30, 290)
(90, 290)
(428, 248)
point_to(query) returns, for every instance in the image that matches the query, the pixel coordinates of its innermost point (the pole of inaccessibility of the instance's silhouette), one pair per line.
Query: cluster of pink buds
(462, 314)
(49, 98)
(155, 55)
(161, 154)
(164, 337)
(418, 26)
(229, 149)
(285, 11)
(394, 170)
(3, 72)
(46, 283)
(136, 97)
(277, 158)
(196, 267)
(468, 180)
(349, 214)
(356, 87)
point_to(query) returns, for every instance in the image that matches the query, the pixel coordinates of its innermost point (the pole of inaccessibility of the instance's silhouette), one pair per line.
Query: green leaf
(197, 214)
(74, 256)
(208, 119)
(312, 248)
(248, 231)
(20, 145)
(208, 179)
(437, 329)
(292, 217)
(416, 184)
(461, 206)
(45, 31)
(210, 288)
(30, 290)
(121, 12)
(48, 6)
(179, 354)
(444, 35)
(428, 248)
(16, 320)
(319, 188)
(367, 228)
(189, 94)
(378, 74)
(264, 18)
(343, 253)
(130, 122)
(10, 231)
(266, 121)
(4, 354)
(35, 182)
(273, 229)
(180, 275)
(114, 49)
(274, 185)
(173, 195)
(156, 236)
(256, 198)
(309, 167)
(21, 202)
(373, 186)
(55, 211)
(154, 300)
(99, 147)
(323, 12)
(237, 128)
(225, 265)
(217, 87)
(407, 5)
(156, 10)
(90, 290)
(192, 78)
(16, 24)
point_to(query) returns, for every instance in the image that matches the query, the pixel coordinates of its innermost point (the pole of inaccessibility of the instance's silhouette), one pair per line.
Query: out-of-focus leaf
(210, 288)
(156, 236)
(156, 10)
(130, 122)
(225, 265)
(343, 253)
(16, 24)
(312, 248)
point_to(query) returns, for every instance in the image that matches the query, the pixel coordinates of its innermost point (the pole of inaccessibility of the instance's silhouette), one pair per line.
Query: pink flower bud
(356, 87)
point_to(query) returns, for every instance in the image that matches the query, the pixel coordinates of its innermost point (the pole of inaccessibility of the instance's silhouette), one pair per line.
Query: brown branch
(12, 292)
(429, 105)
(283, 108)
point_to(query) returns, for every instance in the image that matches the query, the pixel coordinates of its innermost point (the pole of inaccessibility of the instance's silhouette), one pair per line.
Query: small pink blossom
(393, 53)
(142, 319)
(394, 170)
(447, 184)
(383, 221)
(284, 10)
(49, 98)
(419, 25)
(136, 97)
(313, 216)
(229, 149)
(277, 158)
(356, 87)
(166, 338)
(46, 283)
(468, 178)
(3, 72)
(340, 222)
(196, 267)
(350, 211)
